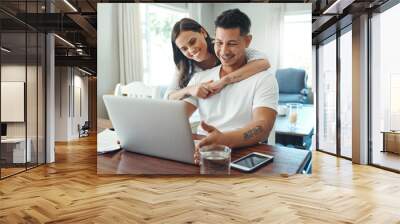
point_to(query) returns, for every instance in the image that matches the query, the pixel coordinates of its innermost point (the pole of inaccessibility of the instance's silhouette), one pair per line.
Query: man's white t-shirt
(232, 108)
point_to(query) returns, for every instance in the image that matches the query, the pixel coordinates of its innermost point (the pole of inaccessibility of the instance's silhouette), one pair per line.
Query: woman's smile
(196, 54)
(193, 45)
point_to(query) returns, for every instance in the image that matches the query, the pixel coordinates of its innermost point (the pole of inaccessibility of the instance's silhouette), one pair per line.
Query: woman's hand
(217, 86)
(201, 91)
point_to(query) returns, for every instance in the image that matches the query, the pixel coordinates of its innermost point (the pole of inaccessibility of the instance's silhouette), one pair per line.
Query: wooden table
(286, 161)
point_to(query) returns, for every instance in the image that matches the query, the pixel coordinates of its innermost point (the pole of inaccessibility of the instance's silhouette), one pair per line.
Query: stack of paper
(107, 141)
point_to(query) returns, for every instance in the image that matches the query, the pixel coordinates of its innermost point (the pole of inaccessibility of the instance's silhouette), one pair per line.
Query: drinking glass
(215, 160)
(293, 114)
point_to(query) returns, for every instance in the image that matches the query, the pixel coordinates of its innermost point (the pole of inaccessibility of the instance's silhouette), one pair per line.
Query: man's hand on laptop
(214, 136)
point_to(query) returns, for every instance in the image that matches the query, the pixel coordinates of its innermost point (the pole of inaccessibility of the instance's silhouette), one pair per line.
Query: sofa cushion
(291, 98)
(290, 80)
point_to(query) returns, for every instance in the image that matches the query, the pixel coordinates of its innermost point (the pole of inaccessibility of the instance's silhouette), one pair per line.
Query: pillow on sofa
(290, 80)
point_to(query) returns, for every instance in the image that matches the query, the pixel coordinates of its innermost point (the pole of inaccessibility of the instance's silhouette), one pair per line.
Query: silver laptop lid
(152, 127)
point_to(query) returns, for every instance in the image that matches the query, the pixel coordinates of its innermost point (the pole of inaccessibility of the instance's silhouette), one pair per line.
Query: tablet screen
(252, 160)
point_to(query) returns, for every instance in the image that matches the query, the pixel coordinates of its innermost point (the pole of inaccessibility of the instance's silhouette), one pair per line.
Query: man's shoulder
(264, 79)
(264, 75)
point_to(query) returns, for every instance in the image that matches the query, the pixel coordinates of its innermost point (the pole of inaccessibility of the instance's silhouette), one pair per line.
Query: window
(385, 84)
(296, 51)
(157, 22)
(346, 94)
(327, 97)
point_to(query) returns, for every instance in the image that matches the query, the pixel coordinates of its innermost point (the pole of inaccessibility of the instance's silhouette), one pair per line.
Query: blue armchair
(292, 85)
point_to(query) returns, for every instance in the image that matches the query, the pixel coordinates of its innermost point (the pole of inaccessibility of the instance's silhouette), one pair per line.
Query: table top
(305, 122)
(286, 161)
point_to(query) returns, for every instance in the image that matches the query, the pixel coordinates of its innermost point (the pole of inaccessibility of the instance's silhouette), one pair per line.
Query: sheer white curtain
(274, 29)
(273, 44)
(129, 43)
(274, 22)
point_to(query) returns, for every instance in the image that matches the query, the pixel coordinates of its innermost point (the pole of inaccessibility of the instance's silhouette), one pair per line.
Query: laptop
(152, 127)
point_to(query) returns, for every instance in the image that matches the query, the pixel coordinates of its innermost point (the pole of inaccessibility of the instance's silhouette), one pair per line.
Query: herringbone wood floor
(69, 191)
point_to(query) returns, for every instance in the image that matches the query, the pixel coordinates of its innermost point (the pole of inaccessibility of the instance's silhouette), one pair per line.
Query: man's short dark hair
(234, 18)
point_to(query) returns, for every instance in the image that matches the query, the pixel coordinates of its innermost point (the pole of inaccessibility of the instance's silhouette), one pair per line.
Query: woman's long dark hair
(184, 65)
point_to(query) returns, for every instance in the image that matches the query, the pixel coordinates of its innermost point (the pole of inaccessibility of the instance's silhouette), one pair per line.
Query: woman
(193, 52)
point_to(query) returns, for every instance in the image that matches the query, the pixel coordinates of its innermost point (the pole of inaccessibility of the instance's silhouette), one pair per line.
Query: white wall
(107, 54)
(67, 116)
(207, 18)
(61, 103)
(79, 117)
(83, 83)
(257, 13)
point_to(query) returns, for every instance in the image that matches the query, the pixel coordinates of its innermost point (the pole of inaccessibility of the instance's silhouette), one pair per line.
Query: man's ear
(247, 40)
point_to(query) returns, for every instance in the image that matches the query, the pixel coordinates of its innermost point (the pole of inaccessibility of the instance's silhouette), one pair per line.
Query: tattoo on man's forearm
(252, 132)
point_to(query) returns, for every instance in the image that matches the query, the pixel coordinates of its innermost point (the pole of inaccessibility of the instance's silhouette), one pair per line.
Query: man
(243, 113)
